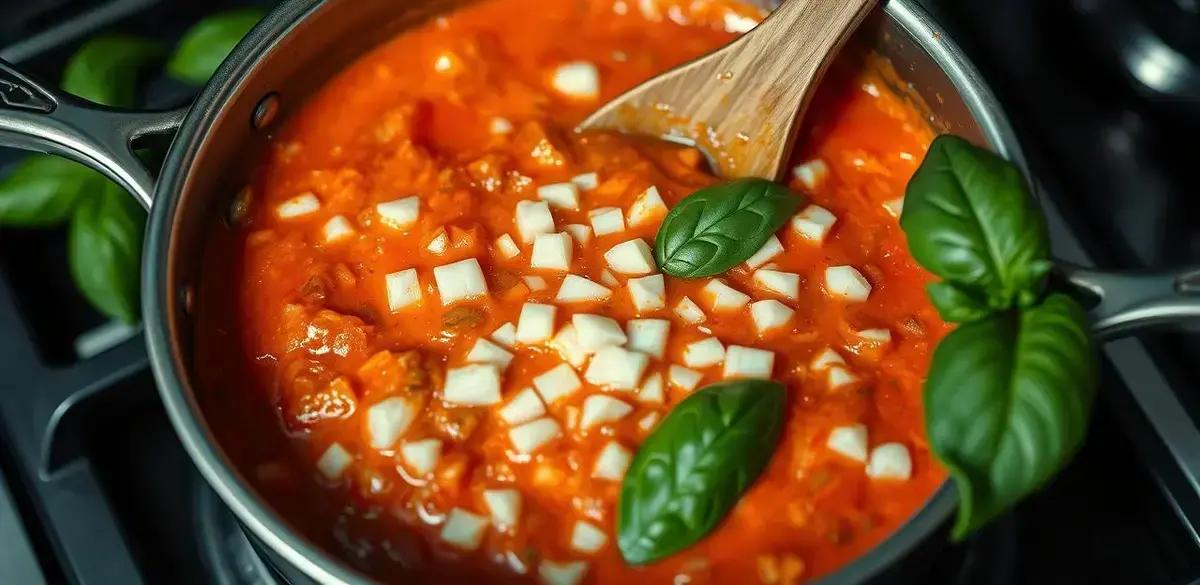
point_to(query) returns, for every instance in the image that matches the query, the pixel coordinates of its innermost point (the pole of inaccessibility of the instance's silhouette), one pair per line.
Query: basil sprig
(1010, 390)
(970, 220)
(105, 235)
(693, 468)
(719, 227)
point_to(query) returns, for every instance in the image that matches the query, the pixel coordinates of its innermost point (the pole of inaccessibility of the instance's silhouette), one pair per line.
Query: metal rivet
(265, 111)
(187, 299)
(239, 208)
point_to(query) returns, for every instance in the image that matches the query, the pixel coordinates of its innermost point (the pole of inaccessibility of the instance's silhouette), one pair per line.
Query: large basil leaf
(718, 227)
(691, 471)
(106, 68)
(970, 220)
(105, 249)
(1007, 403)
(206, 44)
(42, 190)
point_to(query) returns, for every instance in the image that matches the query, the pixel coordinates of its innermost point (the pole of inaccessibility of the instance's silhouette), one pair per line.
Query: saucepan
(293, 51)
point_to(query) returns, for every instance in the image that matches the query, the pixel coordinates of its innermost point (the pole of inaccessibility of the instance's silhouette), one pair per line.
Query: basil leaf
(692, 469)
(104, 246)
(956, 305)
(205, 46)
(718, 227)
(42, 191)
(1007, 404)
(105, 70)
(970, 220)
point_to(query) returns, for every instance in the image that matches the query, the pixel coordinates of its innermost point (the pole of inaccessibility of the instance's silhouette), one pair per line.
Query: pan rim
(161, 301)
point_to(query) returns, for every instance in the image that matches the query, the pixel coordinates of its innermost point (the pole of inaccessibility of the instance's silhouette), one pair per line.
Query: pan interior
(294, 52)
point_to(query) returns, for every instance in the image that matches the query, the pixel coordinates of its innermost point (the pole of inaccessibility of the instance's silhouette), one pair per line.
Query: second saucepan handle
(1123, 303)
(33, 116)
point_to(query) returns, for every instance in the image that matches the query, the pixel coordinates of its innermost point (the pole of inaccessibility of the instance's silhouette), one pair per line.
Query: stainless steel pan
(291, 53)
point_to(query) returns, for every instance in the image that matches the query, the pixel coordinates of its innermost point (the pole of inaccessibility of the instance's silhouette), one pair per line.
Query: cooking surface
(105, 494)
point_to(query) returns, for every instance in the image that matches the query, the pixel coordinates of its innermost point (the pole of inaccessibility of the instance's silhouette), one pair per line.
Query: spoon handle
(742, 104)
(799, 39)
(789, 52)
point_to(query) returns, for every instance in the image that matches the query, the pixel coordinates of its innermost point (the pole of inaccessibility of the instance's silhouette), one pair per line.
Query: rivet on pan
(265, 111)
(239, 208)
(187, 299)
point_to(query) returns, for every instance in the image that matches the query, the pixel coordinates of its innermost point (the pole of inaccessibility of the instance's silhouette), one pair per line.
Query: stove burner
(1156, 45)
(225, 550)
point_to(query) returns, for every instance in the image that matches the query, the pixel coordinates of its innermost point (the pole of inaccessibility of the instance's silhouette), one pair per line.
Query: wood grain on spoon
(742, 104)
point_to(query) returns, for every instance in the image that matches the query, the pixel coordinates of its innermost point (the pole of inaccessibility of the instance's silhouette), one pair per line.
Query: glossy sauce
(302, 342)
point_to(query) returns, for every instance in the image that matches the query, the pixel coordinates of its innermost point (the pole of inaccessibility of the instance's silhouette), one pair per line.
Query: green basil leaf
(956, 305)
(970, 220)
(42, 191)
(105, 251)
(693, 468)
(1007, 404)
(206, 44)
(105, 69)
(718, 227)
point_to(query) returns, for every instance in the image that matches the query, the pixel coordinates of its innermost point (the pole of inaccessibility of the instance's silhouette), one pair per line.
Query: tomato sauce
(465, 112)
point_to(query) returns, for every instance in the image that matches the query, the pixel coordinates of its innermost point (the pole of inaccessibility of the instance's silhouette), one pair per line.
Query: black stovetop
(95, 488)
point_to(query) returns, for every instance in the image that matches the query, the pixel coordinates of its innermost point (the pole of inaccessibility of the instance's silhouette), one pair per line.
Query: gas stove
(96, 489)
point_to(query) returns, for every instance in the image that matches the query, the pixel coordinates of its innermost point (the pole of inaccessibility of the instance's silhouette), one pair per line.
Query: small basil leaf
(970, 220)
(1007, 404)
(105, 69)
(693, 468)
(104, 246)
(956, 305)
(718, 227)
(206, 44)
(42, 191)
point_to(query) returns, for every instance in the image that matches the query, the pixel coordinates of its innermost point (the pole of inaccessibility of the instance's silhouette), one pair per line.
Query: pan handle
(35, 117)
(1122, 303)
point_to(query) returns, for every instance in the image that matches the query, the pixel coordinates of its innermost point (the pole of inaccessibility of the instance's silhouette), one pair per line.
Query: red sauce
(303, 341)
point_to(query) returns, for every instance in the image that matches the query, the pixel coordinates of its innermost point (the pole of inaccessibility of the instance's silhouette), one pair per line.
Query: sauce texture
(303, 337)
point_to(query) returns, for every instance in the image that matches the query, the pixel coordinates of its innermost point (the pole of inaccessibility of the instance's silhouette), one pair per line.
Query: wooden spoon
(743, 103)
